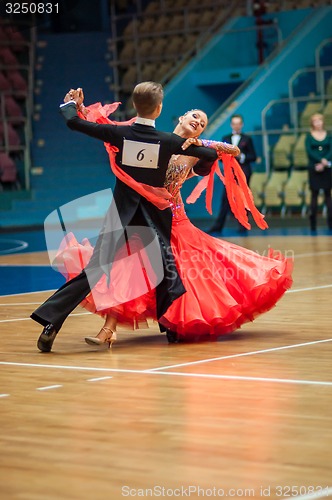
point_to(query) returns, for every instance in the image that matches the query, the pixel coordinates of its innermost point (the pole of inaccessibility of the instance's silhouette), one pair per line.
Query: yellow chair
(147, 25)
(328, 114)
(294, 191)
(281, 155)
(329, 87)
(160, 45)
(152, 8)
(162, 70)
(300, 158)
(149, 72)
(307, 198)
(310, 109)
(127, 52)
(163, 23)
(129, 78)
(174, 47)
(257, 186)
(274, 189)
(131, 28)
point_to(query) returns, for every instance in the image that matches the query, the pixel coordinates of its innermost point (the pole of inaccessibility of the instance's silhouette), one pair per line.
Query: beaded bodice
(177, 172)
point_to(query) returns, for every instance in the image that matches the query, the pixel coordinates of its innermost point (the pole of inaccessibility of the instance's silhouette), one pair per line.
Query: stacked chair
(282, 151)
(274, 190)
(310, 109)
(295, 191)
(257, 185)
(158, 41)
(328, 114)
(13, 95)
(300, 158)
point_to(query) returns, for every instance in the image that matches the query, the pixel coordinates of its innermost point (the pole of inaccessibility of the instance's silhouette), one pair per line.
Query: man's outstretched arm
(102, 132)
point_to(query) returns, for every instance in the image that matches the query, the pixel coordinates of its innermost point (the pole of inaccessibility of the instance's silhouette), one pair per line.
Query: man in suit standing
(141, 155)
(247, 155)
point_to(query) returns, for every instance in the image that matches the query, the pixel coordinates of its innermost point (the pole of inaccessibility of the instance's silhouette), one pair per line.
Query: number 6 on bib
(140, 154)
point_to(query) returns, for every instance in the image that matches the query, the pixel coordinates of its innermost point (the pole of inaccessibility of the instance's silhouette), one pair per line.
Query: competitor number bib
(140, 154)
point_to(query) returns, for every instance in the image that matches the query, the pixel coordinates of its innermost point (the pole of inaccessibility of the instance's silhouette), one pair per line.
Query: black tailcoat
(132, 208)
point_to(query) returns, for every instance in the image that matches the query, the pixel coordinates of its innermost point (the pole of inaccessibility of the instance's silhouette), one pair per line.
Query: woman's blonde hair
(314, 116)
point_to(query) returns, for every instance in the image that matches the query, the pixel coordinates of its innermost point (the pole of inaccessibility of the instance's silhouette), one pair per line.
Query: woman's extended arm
(220, 147)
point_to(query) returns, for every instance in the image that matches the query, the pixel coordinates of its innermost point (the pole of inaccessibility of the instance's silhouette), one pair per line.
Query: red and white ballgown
(226, 285)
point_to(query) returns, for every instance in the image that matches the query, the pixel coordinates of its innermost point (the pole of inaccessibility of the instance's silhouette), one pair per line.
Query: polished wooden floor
(248, 416)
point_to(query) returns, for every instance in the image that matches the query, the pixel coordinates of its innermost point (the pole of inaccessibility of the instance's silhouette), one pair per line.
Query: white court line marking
(239, 377)
(27, 293)
(80, 314)
(97, 379)
(22, 246)
(24, 265)
(272, 349)
(177, 374)
(309, 289)
(48, 387)
(20, 304)
(68, 367)
(312, 254)
(325, 492)
(85, 313)
(13, 320)
(26, 319)
(190, 363)
(4, 395)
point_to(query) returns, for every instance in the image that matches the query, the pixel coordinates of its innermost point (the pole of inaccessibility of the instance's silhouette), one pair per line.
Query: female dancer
(226, 285)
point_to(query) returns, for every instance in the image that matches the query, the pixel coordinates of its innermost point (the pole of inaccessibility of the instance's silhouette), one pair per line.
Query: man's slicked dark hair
(147, 96)
(237, 116)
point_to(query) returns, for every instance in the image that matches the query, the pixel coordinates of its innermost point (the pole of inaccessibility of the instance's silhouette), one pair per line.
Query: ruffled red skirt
(227, 285)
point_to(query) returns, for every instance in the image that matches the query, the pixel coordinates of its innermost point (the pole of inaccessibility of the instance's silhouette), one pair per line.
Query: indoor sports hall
(245, 413)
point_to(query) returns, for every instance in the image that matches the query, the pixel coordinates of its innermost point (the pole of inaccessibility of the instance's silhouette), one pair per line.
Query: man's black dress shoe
(46, 338)
(172, 337)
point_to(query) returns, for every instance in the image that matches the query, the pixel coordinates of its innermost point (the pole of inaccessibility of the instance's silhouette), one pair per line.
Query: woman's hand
(191, 141)
(319, 167)
(75, 95)
(79, 96)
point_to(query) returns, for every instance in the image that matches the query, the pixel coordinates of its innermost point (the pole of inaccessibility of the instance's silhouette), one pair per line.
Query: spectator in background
(318, 145)
(248, 155)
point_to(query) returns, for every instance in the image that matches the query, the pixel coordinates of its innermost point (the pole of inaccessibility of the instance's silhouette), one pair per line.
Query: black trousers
(314, 207)
(58, 306)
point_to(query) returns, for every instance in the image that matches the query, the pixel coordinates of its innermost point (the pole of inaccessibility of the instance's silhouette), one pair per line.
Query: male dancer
(132, 207)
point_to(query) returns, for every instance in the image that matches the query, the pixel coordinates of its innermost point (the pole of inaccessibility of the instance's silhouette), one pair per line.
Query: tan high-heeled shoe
(109, 339)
